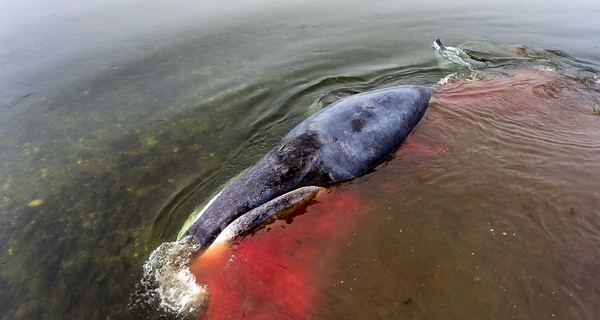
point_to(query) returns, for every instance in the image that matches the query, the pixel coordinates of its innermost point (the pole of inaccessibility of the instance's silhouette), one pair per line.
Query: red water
(277, 272)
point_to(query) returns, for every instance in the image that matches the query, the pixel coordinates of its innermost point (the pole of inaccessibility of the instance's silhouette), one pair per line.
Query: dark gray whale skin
(340, 142)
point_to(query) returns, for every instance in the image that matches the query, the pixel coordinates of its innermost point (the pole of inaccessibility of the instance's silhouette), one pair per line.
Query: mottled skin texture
(340, 142)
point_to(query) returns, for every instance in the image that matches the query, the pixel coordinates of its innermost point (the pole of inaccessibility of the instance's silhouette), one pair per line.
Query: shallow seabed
(118, 118)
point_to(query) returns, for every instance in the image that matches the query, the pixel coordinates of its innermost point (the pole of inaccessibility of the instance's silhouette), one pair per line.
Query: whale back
(359, 131)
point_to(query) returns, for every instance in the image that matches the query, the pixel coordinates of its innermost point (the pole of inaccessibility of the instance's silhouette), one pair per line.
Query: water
(118, 118)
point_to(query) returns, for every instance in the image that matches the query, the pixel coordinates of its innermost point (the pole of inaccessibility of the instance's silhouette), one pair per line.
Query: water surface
(118, 118)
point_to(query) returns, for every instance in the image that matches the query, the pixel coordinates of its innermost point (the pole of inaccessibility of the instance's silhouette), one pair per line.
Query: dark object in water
(338, 143)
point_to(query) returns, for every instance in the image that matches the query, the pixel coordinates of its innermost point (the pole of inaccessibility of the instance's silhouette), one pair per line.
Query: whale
(340, 142)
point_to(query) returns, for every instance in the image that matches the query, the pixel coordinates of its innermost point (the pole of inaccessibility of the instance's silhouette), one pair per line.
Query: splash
(168, 285)
(459, 57)
(447, 79)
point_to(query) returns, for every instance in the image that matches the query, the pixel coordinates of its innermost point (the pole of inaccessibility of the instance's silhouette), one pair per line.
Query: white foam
(168, 281)
(447, 79)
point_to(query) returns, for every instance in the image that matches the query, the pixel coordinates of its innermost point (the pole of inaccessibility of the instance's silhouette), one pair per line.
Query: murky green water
(118, 118)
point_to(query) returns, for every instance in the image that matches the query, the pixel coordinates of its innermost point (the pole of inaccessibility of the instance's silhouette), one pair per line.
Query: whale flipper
(266, 211)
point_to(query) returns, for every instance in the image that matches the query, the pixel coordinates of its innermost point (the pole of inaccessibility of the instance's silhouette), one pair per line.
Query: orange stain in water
(279, 272)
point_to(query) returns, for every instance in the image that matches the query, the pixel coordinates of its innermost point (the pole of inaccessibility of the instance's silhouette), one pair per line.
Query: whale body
(338, 143)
